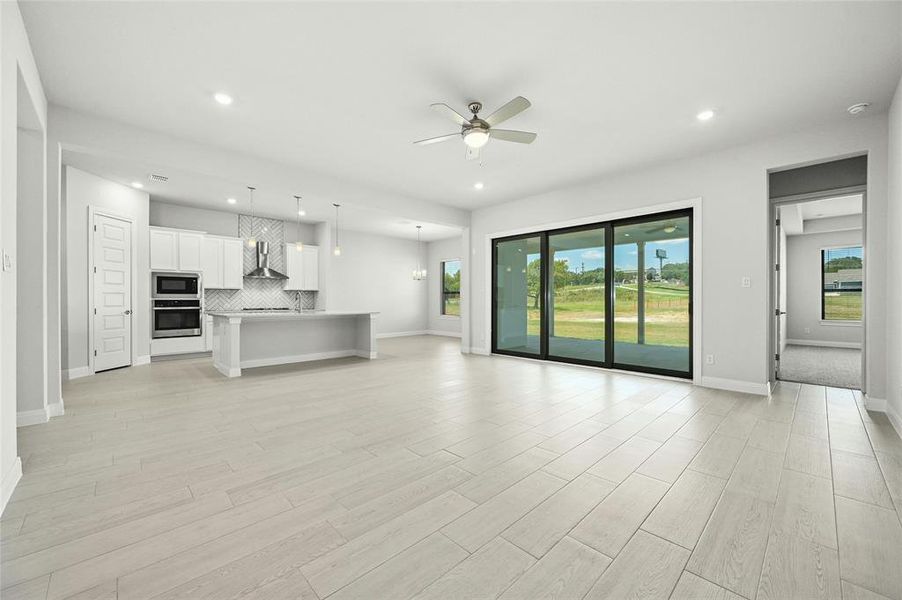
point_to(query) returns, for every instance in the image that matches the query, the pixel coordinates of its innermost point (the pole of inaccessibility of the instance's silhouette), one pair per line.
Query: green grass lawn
(578, 312)
(842, 306)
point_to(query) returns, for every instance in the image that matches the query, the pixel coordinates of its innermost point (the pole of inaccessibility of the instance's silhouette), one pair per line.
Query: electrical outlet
(709, 359)
(746, 282)
(808, 330)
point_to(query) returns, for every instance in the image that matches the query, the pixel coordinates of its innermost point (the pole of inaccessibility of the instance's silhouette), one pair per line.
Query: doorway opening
(819, 249)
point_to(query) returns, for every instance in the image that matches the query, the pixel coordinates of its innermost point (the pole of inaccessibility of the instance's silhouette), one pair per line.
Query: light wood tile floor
(428, 474)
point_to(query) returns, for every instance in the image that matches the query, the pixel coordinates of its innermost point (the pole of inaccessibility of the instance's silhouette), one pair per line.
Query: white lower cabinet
(208, 333)
(302, 268)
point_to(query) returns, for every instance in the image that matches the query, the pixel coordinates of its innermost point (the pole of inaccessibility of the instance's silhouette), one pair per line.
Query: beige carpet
(835, 367)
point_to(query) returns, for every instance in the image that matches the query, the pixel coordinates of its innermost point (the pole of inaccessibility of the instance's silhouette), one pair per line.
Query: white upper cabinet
(211, 262)
(223, 263)
(310, 274)
(190, 245)
(164, 249)
(302, 268)
(232, 264)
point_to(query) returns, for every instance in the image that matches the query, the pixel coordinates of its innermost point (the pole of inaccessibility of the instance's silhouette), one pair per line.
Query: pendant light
(337, 250)
(418, 273)
(252, 241)
(298, 245)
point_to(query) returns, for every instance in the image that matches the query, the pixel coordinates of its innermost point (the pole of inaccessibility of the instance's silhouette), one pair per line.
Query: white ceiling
(210, 192)
(831, 207)
(793, 217)
(344, 88)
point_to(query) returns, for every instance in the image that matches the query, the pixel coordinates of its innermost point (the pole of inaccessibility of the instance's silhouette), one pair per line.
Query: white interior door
(112, 293)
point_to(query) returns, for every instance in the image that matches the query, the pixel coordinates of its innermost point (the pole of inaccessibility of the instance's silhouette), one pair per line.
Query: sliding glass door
(576, 295)
(652, 317)
(614, 294)
(518, 296)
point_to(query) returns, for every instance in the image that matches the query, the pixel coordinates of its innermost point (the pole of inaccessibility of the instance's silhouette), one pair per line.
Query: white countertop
(287, 314)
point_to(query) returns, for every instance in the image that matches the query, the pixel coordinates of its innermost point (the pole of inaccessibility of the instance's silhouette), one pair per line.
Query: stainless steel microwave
(175, 286)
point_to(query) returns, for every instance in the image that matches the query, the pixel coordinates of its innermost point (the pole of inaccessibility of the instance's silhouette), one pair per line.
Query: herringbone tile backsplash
(259, 293)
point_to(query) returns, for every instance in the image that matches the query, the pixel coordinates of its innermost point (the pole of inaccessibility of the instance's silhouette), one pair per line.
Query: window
(451, 288)
(841, 276)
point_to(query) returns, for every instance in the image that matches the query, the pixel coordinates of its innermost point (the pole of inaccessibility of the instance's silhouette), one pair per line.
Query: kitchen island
(246, 339)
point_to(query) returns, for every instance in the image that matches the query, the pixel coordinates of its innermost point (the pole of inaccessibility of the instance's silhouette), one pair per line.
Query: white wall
(216, 222)
(16, 60)
(735, 321)
(374, 273)
(84, 190)
(803, 268)
(440, 251)
(31, 338)
(894, 265)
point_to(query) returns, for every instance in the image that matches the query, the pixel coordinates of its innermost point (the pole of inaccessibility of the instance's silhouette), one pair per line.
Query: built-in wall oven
(177, 318)
(177, 307)
(175, 285)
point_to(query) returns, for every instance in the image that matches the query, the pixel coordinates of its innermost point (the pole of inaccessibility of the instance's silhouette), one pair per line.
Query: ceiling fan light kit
(476, 132)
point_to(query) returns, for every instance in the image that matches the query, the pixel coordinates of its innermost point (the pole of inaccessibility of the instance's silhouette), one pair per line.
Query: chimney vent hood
(263, 271)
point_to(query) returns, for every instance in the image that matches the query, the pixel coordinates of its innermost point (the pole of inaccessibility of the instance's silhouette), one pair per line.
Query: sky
(452, 267)
(626, 255)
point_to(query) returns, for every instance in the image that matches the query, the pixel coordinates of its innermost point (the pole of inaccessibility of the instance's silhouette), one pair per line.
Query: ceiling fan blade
(449, 112)
(435, 140)
(472, 153)
(509, 135)
(511, 109)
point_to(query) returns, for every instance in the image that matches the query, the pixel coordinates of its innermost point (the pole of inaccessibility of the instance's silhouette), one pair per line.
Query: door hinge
(95, 228)
(777, 267)
(776, 312)
(777, 356)
(95, 269)
(95, 353)
(95, 311)
(778, 222)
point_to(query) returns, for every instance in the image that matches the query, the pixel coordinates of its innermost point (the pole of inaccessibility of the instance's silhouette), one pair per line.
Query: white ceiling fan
(476, 132)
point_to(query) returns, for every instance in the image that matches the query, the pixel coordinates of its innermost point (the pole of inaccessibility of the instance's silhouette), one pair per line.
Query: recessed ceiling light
(626, 235)
(478, 185)
(857, 109)
(137, 185)
(231, 200)
(705, 115)
(223, 98)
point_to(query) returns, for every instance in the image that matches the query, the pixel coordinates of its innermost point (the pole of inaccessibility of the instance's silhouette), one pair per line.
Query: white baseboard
(894, 417)
(454, 334)
(480, 351)
(871, 403)
(76, 373)
(395, 334)
(142, 360)
(8, 483)
(824, 344)
(24, 418)
(56, 409)
(297, 358)
(736, 385)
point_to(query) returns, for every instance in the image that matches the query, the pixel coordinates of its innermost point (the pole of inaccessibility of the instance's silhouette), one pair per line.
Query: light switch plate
(7, 261)
(746, 282)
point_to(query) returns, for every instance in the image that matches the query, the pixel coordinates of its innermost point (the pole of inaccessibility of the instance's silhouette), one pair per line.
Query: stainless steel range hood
(263, 271)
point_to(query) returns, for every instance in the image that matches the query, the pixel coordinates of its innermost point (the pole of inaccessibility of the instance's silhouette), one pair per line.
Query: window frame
(824, 319)
(443, 293)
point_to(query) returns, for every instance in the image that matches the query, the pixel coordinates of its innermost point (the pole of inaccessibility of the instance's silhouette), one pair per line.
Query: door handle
(128, 312)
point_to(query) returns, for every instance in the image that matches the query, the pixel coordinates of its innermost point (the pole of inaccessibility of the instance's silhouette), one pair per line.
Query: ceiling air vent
(158, 178)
